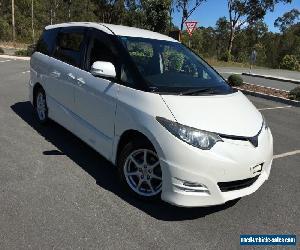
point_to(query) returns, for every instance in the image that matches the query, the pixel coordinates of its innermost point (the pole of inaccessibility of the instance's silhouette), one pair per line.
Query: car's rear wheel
(41, 108)
(140, 171)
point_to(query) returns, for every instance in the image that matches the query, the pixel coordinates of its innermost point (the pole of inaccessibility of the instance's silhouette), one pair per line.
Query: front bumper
(227, 161)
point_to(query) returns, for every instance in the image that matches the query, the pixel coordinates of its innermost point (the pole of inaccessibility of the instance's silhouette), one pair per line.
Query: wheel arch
(35, 89)
(128, 136)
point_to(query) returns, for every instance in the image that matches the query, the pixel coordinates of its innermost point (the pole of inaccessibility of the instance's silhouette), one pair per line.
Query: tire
(141, 179)
(41, 109)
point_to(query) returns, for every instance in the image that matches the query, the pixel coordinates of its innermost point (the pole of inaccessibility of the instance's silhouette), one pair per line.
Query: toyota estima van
(169, 122)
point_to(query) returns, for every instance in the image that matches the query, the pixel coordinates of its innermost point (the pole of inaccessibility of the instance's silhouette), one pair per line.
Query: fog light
(192, 184)
(188, 186)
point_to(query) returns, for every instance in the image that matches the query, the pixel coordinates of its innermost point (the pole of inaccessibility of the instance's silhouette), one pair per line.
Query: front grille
(236, 185)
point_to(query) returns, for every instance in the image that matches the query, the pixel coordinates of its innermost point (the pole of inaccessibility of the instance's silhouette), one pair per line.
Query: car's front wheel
(139, 170)
(41, 108)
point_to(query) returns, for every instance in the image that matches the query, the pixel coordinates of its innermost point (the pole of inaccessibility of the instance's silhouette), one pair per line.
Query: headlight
(195, 137)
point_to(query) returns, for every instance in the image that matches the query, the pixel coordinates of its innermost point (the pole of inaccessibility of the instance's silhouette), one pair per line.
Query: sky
(209, 12)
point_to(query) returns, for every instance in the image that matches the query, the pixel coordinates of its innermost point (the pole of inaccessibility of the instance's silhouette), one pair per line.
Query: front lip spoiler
(253, 140)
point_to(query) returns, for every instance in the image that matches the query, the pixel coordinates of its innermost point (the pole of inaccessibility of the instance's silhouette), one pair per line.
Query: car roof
(118, 30)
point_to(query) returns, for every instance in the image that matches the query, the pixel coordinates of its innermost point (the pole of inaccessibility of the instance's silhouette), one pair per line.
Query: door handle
(80, 81)
(70, 75)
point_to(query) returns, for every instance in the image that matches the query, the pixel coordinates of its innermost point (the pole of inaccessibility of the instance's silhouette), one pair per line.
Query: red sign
(190, 26)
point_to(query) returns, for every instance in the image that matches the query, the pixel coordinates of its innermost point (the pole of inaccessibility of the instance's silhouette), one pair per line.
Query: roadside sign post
(190, 27)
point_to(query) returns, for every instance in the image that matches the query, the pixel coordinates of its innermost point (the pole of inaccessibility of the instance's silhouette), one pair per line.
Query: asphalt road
(227, 71)
(57, 193)
(266, 82)
(266, 71)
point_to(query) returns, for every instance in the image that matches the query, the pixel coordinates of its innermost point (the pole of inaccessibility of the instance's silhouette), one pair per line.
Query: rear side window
(68, 47)
(46, 42)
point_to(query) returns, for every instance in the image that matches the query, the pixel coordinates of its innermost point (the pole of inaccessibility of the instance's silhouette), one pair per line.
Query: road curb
(271, 97)
(23, 58)
(273, 78)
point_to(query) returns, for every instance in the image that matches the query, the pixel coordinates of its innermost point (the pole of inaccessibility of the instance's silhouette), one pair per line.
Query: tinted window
(141, 53)
(68, 45)
(171, 67)
(100, 51)
(46, 43)
(104, 47)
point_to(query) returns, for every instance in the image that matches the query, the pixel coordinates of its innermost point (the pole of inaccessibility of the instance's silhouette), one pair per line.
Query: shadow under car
(103, 171)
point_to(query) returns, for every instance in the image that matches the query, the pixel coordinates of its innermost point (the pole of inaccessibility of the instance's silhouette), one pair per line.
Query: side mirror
(104, 69)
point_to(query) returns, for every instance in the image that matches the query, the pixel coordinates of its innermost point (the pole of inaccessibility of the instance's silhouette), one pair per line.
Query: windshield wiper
(197, 91)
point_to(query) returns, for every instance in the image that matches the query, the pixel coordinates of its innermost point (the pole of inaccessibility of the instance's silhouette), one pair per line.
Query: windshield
(171, 67)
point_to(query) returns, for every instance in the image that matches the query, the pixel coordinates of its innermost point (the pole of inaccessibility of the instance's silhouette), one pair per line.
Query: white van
(169, 122)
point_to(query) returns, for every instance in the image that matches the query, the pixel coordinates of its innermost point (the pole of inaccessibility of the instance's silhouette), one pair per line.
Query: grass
(216, 63)
(22, 52)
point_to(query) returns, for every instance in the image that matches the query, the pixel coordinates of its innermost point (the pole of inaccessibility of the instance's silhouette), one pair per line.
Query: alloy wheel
(41, 107)
(143, 173)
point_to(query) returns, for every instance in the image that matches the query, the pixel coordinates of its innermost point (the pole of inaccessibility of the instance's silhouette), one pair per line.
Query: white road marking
(282, 107)
(286, 154)
(26, 72)
(5, 61)
(278, 78)
(231, 73)
(24, 58)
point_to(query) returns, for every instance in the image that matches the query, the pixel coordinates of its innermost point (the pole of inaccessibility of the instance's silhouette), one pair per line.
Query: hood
(231, 114)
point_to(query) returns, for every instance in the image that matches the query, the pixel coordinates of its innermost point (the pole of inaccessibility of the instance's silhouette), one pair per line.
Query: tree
(243, 12)
(255, 32)
(249, 38)
(32, 22)
(287, 20)
(13, 20)
(222, 31)
(183, 6)
(157, 14)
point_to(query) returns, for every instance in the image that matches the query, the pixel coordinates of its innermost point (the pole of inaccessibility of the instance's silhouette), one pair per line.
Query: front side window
(100, 51)
(68, 47)
(105, 48)
(171, 67)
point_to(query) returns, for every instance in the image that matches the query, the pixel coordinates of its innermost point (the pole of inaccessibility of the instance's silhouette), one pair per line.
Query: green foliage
(149, 14)
(5, 31)
(242, 57)
(290, 62)
(235, 80)
(287, 20)
(141, 52)
(211, 42)
(247, 11)
(1, 51)
(261, 53)
(226, 57)
(173, 60)
(222, 34)
(156, 14)
(295, 94)
(22, 52)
